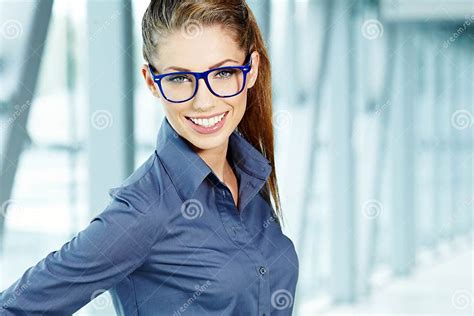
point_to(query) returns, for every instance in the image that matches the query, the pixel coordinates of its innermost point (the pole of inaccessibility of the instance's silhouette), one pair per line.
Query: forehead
(197, 49)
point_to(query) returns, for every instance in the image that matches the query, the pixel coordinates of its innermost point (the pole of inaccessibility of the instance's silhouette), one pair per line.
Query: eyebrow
(211, 67)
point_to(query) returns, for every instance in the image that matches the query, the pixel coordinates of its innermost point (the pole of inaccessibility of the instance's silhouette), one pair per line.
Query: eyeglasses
(223, 82)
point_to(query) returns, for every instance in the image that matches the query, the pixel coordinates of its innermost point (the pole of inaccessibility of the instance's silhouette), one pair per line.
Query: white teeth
(208, 122)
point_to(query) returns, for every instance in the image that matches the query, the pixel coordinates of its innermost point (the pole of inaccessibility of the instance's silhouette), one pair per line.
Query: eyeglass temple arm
(152, 72)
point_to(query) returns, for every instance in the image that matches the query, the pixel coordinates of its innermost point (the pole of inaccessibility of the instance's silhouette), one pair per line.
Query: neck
(216, 159)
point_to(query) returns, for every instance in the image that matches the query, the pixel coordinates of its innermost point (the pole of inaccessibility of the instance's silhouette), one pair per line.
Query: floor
(443, 288)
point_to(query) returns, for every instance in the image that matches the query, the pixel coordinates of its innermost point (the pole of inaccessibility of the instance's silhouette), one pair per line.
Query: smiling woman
(199, 36)
(193, 230)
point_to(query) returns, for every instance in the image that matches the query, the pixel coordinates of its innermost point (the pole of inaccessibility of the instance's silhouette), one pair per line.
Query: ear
(253, 73)
(149, 81)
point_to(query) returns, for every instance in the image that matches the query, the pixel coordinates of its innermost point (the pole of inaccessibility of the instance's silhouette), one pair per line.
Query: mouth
(207, 125)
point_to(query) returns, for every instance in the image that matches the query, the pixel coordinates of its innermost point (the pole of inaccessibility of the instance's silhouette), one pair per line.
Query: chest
(223, 250)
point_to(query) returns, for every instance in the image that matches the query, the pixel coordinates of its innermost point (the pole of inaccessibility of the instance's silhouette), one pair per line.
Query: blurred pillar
(370, 102)
(341, 186)
(452, 137)
(402, 182)
(283, 46)
(110, 93)
(467, 151)
(262, 11)
(438, 134)
(470, 136)
(288, 86)
(446, 111)
(293, 63)
(469, 48)
(20, 104)
(307, 246)
(458, 75)
(432, 140)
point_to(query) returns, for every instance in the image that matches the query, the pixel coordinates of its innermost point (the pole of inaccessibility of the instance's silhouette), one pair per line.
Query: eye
(224, 74)
(178, 78)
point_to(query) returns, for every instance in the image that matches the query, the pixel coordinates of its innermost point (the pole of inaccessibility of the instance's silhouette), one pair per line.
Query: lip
(207, 130)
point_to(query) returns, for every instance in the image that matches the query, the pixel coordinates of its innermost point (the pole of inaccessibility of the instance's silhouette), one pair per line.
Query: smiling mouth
(207, 122)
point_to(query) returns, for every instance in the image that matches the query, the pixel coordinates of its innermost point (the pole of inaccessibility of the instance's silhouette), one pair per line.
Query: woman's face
(200, 52)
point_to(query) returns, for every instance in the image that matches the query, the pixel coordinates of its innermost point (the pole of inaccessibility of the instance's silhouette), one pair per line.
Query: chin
(206, 142)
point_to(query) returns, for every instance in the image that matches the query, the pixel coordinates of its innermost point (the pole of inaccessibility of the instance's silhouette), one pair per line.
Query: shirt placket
(238, 232)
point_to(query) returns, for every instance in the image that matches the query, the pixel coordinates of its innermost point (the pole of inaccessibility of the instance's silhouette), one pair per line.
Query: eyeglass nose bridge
(204, 76)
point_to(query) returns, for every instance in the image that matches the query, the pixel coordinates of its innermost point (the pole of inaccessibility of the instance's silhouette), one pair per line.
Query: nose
(203, 98)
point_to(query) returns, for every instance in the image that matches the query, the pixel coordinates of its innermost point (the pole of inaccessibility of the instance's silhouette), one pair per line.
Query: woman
(192, 231)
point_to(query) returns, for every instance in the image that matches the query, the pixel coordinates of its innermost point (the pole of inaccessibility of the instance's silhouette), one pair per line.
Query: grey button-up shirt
(172, 242)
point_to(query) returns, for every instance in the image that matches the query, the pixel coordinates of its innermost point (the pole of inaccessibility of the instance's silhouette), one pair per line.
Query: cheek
(239, 108)
(168, 109)
(174, 114)
(240, 103)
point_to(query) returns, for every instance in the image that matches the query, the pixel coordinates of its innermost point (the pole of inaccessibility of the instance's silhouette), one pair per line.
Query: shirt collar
(186, 168)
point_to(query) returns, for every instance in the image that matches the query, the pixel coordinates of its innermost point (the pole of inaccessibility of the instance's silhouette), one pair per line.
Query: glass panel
(226, 82)
(178, 87)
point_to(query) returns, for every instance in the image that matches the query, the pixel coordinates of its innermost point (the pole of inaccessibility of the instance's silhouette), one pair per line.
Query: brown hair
(165, 16)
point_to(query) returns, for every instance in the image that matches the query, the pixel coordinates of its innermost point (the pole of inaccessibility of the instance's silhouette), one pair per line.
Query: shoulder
(135, 203)
(142, 189)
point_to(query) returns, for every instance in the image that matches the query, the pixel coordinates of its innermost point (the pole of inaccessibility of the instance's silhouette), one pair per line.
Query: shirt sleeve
(112, 246)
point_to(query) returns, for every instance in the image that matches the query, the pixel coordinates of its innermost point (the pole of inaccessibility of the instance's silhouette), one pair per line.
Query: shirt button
(223, 193)
(262, 270)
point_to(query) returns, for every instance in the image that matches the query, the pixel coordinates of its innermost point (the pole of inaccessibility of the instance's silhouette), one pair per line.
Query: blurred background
(374, 123)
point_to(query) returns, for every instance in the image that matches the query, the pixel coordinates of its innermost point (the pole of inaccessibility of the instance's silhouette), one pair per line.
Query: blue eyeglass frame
(204, 75)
